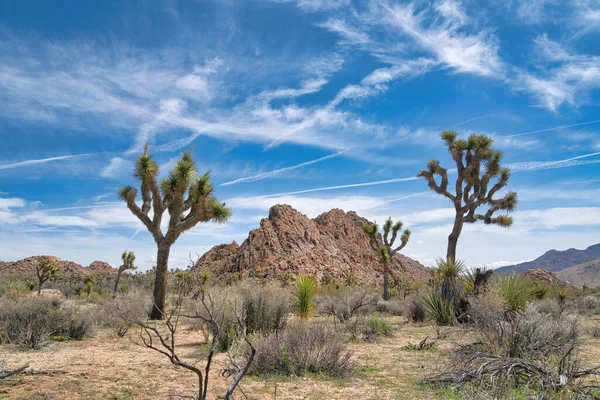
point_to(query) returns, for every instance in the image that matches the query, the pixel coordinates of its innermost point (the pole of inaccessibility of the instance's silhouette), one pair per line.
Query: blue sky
(314, 103)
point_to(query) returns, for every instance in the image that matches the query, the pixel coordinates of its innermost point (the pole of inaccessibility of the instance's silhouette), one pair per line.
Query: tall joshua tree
(477, 164)
(187, 197)
(128, 259)
(387, 249)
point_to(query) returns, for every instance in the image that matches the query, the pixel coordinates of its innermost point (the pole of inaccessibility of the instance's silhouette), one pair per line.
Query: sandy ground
(108, 367)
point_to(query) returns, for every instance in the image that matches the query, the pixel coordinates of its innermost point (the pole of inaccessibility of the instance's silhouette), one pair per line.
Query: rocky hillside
(26, 267)
(555, 261)
(290, 243)
(587, 274)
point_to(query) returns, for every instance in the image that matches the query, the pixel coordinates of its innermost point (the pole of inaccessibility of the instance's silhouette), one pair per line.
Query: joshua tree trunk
(160, 283)
(453, 238)
(386, 281)
(117, 282)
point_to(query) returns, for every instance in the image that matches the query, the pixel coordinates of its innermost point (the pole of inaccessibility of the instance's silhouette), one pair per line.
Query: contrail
(41, 161)
(567, 162)
(396, 180)
(471, 120)
(552, 129)
(269, 174)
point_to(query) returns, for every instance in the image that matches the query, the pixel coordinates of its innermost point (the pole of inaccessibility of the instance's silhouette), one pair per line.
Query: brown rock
(288, 242)
(541, 275)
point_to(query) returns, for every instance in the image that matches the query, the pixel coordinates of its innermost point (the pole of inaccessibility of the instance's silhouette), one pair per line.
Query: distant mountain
(587, 274)
(27, 266)
(288, 243)
(555, 261)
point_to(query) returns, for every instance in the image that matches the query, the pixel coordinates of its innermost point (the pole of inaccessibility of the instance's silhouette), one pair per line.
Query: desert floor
(108, 367)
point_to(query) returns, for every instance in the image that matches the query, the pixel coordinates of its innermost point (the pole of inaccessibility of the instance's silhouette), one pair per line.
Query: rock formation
(541, 275)
(27, 266)
(289, 243)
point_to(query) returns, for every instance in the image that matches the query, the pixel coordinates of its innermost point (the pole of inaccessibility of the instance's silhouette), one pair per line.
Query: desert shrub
(29, 322)
(416, 311)
(306, 288)
(346, 303)
(303, 349)
(77, 325)
(134, 304)
(265, 309)
(368, 328)
(437, 308)
(589, 304)
(392, 307)
(539, 290)
(516, 291)
(549, 306)
(377, 326)
(228, 326)
(531, 352)
(13, 289)
(532, 332)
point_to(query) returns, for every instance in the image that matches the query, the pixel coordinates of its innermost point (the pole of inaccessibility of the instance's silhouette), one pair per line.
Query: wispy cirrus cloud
(566, 77)
(42, 161)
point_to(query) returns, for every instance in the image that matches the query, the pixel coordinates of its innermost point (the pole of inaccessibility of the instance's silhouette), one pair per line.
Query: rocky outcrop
(288, 242)
(27, 266)
(541, 275)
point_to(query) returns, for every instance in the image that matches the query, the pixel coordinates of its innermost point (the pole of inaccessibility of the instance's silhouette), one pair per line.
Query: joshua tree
(387, 250)
(45, 271)
(477, 164)
(128, 259)
(185, 212)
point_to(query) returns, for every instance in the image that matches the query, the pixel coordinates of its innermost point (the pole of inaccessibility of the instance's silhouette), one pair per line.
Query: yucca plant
(306, 288)
(516, 290)
(438, 308)
(449, 271)
(187, 198)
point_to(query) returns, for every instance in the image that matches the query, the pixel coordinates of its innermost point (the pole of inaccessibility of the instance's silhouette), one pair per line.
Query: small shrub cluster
(30, 322)
(303, 349)
(347, 303)
(265, 310)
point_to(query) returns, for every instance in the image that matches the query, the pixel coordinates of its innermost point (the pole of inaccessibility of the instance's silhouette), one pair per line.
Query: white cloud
(463, 52)
(568, 82)
(117, 166)
(560, 217)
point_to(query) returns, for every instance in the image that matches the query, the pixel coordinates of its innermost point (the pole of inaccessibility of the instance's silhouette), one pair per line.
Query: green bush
(436, 307)
(303, 349)
(416, 311)
(265, 310)
(306, 288)
(30, 322)
(377, 326)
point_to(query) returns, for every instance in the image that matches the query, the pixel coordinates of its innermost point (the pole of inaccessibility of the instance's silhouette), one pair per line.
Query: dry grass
(106, 367)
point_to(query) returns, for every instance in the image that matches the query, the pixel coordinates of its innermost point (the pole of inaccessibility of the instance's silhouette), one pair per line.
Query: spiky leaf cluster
(187, 197)
(478, 167)
(387, 249)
